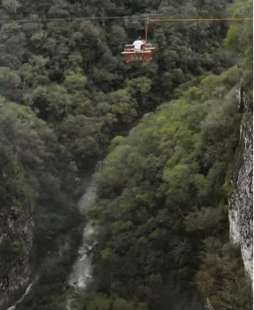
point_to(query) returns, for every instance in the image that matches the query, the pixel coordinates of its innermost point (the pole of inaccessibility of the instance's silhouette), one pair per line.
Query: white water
(82, 268)
(28, 289)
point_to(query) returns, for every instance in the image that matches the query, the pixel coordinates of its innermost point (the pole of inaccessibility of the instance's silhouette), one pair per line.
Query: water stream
(27, 291)
(82, 269)
(81, 273)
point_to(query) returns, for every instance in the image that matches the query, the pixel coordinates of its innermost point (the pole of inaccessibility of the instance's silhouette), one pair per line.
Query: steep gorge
(65, 94)
(166, 187)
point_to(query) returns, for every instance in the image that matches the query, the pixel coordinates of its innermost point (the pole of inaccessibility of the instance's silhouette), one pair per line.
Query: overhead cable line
(153, 18)
(208, 19)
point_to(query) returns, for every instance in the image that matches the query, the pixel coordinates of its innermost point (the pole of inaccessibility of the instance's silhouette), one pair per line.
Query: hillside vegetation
(65, 93)
(162, 203)
(71, 73)
(162, 206)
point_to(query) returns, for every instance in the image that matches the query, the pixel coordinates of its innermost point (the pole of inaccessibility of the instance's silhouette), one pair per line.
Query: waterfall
(82, 269)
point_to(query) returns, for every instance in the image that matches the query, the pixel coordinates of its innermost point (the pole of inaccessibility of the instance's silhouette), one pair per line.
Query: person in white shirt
(138, 44)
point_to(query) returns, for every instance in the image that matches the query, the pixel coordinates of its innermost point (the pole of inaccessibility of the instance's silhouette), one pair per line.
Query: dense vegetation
(162, 203)
(65, 93)
(37, 185)
(72, 75)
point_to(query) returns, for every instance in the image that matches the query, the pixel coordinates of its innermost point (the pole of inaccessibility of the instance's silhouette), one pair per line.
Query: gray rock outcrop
(15, 229)
(240, 202)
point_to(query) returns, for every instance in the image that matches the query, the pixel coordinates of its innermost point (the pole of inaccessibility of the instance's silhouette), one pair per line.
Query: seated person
(138, 44)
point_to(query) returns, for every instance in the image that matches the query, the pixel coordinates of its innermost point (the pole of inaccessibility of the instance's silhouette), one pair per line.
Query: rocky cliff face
(240, 203)
(16, 240)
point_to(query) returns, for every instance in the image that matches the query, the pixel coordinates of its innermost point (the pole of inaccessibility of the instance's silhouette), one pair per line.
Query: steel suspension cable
(153, 18)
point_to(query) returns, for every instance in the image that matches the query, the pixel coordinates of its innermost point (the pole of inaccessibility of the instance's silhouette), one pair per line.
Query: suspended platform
(144, 55)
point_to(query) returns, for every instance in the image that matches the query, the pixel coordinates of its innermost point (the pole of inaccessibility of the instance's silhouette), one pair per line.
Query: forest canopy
(167, 132)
